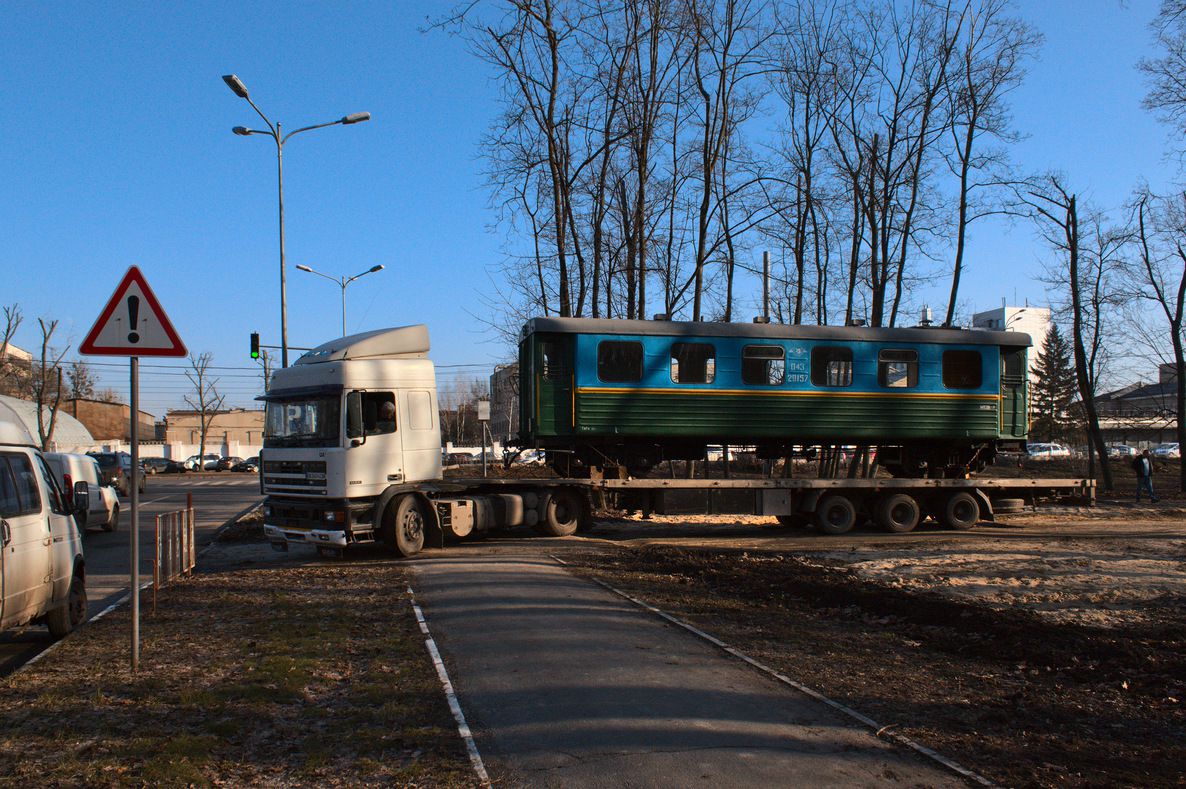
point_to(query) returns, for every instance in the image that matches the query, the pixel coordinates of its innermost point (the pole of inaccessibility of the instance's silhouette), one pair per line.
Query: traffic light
(255, 345)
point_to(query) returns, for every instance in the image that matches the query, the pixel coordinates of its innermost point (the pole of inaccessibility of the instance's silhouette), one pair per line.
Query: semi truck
(352, 455)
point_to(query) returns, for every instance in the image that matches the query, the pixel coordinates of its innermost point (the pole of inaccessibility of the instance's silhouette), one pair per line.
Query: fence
(176, 553)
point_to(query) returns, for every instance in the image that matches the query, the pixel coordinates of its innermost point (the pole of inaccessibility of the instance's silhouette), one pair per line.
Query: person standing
(1143, 466)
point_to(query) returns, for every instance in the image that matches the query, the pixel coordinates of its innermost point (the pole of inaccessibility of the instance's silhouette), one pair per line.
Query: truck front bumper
(278, 535)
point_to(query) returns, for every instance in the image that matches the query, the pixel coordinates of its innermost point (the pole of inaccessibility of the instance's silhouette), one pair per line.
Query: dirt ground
(1048, 650)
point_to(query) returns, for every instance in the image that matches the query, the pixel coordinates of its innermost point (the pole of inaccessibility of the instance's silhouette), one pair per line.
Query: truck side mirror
(355, 427)
(82, 496)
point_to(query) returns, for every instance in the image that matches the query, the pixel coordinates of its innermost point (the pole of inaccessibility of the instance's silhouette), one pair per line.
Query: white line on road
(879, 730)
(475, 758)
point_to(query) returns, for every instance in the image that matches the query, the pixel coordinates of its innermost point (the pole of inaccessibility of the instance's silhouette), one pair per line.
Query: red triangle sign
(133, 324)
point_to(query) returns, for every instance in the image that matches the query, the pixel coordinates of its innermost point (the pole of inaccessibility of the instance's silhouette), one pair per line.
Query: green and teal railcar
(934, 401)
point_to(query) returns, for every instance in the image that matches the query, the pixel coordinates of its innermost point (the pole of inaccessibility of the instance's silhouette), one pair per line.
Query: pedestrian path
(565, 684)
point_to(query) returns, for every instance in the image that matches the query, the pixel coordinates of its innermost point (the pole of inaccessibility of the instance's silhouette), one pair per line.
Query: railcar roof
(778, 331)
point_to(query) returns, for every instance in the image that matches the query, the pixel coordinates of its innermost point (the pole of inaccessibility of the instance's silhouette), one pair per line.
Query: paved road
(216, 497)
(568, 685)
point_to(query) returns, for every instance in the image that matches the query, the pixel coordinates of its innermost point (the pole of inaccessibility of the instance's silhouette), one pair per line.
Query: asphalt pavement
(566, 684)
(216, 498)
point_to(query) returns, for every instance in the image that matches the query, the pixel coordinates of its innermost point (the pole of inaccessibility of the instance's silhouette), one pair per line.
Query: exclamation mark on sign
(133, 311)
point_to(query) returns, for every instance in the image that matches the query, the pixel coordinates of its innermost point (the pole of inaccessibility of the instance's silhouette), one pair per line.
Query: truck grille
(294, 473)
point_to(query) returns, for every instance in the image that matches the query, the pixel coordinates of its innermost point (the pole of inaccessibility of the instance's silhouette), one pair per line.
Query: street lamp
(239, 89)
(342, 282)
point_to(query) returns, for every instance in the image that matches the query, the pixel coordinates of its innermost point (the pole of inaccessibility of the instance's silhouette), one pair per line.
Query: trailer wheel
(961, 511)
(563, 513)
(405, 532)
(1004, 506)
(897, 513)
(834, 514)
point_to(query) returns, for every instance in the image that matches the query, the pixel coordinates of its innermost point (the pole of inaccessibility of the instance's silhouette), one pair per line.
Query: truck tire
(113, 523)
(897, 513)
(406, 533)
(1005, 506)
(563, 513)
(835, 514)
(63, 619)
(961, 511)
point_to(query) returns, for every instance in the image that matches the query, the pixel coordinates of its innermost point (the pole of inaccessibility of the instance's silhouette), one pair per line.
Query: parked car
(117, 471)
(154, 465)
(103, 506)
(225, 463)
(1042, 451)
(1167, 452)
(192, 464)
(250, 464)
(42, 574)
(460, 459)
(1122, 451)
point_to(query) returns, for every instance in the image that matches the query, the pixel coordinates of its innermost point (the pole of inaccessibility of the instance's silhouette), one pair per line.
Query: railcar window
(962, 370)
(619, 362)
(831, 366)
(897, 369)
(693, 363)
(763, 365)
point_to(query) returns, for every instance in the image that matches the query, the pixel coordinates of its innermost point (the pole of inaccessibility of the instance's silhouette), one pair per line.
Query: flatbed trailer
(834, 505)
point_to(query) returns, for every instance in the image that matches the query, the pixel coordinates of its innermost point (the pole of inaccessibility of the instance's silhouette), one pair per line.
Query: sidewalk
(568, 685)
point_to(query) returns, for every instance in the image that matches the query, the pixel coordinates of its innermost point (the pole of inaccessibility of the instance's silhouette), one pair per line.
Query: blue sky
(115, 131)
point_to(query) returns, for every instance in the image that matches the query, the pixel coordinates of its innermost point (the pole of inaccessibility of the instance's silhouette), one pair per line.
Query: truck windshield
(304, 422)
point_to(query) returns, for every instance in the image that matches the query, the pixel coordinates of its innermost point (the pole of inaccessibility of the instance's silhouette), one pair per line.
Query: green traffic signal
(255, 345)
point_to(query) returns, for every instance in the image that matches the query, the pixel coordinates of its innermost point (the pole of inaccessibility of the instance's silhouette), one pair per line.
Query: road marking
(879, 731)
(475, 758)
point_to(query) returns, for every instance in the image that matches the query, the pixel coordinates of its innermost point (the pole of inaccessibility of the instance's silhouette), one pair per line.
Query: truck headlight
(335, 516)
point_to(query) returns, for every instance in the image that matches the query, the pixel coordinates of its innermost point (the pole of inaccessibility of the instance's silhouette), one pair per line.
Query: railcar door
(554, 381)
(1014, 417)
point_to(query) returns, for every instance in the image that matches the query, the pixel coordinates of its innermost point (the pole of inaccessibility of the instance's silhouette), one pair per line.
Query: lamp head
(301, 267)
(242, 131)
(375, 268)
(357, 117)
(236, 85)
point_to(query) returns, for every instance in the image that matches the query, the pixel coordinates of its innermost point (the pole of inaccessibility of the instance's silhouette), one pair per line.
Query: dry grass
(293, 676)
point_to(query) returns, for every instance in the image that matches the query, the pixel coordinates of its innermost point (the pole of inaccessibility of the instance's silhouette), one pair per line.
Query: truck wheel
(65, 618)
(113, 523)
(835, 514)
(407, 533)
(1004, 506)
(961, 511)
(562, 514)
(897, 513)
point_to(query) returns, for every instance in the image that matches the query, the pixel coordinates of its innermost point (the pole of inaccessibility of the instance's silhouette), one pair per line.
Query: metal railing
(176, 552)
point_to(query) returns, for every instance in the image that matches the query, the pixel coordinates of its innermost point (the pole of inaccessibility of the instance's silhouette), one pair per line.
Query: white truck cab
(42, 572)
(351, 421)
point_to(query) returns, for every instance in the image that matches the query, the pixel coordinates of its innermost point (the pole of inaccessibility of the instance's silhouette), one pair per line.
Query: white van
(42, 573)
(68, 468)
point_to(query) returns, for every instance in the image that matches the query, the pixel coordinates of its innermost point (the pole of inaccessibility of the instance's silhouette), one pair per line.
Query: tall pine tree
(1054, 389)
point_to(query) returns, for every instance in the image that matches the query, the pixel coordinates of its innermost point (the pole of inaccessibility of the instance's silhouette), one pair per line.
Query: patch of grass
(280, 676)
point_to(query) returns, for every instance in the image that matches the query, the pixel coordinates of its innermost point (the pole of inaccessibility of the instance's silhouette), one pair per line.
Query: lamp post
(342, 282)
(239, 89)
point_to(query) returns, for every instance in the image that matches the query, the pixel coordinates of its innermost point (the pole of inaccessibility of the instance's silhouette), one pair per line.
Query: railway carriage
(936, 402)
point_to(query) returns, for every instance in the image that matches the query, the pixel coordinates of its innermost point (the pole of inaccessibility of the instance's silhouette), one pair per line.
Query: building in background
(236, 426)
(1141, 414)
(1034, 321)
(504, 402)
(110, 421)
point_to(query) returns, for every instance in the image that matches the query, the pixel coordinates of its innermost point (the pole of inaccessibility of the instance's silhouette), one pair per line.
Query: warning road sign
(133, 324)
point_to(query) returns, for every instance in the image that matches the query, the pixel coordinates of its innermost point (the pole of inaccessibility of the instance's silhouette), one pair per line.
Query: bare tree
(205, 400)
(47, 385)
(1160, 277)
(990, 63)
(1089, 276)
(11, 373)
(81, 380)
(1167, 74)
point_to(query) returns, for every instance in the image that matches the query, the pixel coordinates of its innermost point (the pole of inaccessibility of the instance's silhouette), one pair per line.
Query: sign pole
(134, 484)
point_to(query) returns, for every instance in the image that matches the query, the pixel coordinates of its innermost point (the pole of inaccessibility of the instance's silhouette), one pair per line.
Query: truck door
(26, 537)
(554, 384)
(1014, 417)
